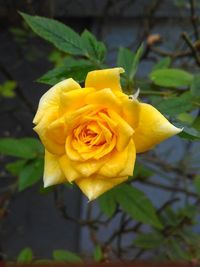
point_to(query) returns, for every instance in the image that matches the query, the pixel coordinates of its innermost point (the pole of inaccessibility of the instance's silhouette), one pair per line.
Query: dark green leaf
(190, 133)
(30, 174)
(15, 167)
(195, 86)
(136, 61)
(137, 205)
(94, 48)
(175, 105)
(107, 203)
(63, 37)
(162, 64)
(76, 69)
(27, 148)
(149, 240)
(98, 254)
(25, 256)
(66, 256)
(176, 253)
(197, 184)
(171, 78)
(125, 60)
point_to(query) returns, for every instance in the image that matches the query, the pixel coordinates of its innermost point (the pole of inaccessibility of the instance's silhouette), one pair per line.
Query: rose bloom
(92, 134)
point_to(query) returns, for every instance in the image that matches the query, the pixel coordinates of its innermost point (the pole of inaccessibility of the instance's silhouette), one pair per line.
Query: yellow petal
(74, 99)
(107, 78)
(104, 98)
(152, 129)
(120, 163)
(41, 128)
(95, 185)
(51, 98)
(52, 171)
(89, 167)
(67, 167)
(124, 130)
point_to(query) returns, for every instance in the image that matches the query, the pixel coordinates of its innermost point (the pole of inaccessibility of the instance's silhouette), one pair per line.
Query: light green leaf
(7, 89)
(195, 86)
(27, 148)
(98, 254)
(76, 69)
(149, 240)
(162, 64)
(94, 48)
(30, 174)
(25, 256)
(137, 205)
(171, 78)
(15, 167)
(107, 203)
(66, 256)
(62, 36)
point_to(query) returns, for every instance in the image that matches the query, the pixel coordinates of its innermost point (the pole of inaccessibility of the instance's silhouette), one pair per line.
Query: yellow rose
(92, 134)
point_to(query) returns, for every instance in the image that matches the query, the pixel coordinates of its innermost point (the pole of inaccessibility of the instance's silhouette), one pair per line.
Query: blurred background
(32, 218)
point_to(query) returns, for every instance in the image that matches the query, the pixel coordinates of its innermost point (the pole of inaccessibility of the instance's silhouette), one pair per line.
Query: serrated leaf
(25, 256)
(175, 105)
(66, 256)
(107, 203)
(162, 64)
(76, 69)
(149, 240)
(98, 254)
(26, 148)
(15, 167)
(94, 48)
(62, 36)
(171, 78)
(30, 174)
(195, 86)
(137, 205)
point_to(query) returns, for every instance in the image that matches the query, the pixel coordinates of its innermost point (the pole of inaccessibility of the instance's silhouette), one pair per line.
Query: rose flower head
(92, 134)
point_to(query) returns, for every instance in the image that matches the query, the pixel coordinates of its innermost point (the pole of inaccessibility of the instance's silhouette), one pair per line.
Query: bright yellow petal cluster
(92, 134)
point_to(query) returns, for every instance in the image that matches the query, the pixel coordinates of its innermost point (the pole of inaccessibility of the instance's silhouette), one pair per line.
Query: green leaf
(62, 36)
(197, 183)
(7, 89)
(25, 256)
(66, 256)
(107, 203)
(195, 86)
(94, 48)
(30, 174)
(171, 78)
(98, 254)
(76, 69)
(136, 61)
(125, 60)
(175, 105)
(176, 253)
(15, 167)
(137, 205)
(162, 64)
(27, 148)
(190, 133)
(149, 240)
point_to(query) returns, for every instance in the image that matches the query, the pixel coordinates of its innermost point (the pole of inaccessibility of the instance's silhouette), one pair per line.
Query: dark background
(32, 219)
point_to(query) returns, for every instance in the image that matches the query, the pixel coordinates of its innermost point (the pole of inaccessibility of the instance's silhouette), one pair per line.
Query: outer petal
(152, 129)
(66, 165)
(52, 172)
(51, 99)
(107, 78)
(95, 185)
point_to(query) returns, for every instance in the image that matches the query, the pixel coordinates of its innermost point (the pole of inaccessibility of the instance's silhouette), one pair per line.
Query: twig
(194, 19)
(192, 47)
